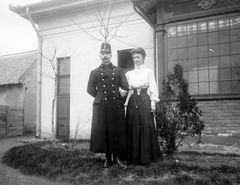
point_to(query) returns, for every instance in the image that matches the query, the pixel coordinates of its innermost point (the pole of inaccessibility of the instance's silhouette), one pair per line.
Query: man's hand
(122, 92)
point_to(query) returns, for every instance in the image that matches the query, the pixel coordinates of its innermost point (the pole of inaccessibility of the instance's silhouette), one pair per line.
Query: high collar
(139, 67)
(108, 64)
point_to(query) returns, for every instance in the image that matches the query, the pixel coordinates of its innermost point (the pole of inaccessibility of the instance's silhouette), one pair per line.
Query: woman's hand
(153, 106)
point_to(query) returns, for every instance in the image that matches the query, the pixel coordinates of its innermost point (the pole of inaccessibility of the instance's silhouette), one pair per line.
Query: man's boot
(118, 162)
(108, 161)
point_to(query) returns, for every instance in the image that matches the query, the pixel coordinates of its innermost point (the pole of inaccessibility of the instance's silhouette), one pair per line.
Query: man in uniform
(109, 86)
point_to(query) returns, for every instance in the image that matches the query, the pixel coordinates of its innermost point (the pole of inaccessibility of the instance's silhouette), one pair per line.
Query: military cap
(105, 47)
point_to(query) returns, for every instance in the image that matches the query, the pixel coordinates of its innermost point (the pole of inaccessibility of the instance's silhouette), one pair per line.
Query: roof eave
(16, 83)
(143, 14)
(50, 8)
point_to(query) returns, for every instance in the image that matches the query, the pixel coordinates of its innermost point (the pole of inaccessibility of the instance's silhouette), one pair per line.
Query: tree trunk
(53, 108)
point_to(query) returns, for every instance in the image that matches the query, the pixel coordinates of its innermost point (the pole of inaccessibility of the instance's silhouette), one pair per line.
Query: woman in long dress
(143, 146)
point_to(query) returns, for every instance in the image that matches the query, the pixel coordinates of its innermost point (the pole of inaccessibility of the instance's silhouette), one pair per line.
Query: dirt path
(10, 176)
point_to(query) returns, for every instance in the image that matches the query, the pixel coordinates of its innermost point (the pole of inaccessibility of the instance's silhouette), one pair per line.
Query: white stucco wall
(71, 41)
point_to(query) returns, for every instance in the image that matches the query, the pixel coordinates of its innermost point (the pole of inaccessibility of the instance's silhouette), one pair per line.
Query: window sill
(211, 97)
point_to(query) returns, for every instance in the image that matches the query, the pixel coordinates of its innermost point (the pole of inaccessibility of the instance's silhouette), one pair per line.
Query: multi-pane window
(209, 52)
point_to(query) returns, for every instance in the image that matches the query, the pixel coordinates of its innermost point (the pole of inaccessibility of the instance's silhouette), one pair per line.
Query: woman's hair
(139, 51)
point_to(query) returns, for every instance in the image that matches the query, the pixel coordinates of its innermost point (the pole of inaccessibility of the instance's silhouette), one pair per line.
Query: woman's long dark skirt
(143, 146)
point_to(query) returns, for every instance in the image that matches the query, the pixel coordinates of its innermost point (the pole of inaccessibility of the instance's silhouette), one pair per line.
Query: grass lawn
(80, 166)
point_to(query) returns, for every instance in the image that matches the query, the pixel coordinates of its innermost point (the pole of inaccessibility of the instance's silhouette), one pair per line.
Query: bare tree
(55, 69)
(106, 31)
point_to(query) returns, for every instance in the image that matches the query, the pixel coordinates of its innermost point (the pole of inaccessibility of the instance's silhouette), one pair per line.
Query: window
(64, 75)
(125, 60)
(209, 53)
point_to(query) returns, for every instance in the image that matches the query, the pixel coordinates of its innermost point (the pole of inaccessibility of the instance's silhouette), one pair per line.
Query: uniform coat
(109, 130)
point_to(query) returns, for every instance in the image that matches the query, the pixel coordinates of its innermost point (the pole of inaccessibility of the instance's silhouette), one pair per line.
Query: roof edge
(17, 83)
(12, 54)
(53, 7)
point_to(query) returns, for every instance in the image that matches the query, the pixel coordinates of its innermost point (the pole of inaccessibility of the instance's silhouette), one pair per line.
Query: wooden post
(3, 121)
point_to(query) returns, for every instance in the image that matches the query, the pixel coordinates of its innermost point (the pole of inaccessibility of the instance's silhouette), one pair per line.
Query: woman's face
(138, 59)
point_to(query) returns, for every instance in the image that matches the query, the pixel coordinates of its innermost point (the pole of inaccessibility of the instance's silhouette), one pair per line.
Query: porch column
(160, 45)
(160, 65)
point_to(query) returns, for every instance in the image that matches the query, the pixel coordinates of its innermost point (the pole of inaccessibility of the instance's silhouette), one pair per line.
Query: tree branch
(85, 7)
(83, 29)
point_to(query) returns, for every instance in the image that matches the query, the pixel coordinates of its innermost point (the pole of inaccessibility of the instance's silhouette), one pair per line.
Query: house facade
(202, 36)
(18, 91)
(69, 35)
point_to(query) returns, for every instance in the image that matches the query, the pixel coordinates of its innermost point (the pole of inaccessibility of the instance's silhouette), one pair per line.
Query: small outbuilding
(18, 85)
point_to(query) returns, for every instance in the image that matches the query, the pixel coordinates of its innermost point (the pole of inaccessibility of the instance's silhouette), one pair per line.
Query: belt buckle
(138, 91)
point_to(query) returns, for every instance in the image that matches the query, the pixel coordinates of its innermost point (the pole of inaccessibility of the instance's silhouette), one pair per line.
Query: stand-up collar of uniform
(139, 67)
(108, 64)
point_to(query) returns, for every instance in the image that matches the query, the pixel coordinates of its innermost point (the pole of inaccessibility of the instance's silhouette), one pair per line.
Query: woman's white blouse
(142, 77)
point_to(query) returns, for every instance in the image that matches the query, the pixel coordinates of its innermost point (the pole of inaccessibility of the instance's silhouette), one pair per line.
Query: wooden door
(63, 117)
(63, 99)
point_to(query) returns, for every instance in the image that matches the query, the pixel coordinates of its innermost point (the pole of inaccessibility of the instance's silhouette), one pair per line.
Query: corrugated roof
(13, 67)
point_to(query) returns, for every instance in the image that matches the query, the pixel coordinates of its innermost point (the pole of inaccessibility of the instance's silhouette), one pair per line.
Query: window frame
(233, 95)
(62, 76)
(119, 52)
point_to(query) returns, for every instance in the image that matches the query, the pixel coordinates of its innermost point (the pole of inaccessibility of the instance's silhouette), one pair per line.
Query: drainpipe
(39, 78)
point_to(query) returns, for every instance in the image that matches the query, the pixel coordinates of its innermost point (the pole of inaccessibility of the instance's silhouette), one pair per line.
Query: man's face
(105, 57)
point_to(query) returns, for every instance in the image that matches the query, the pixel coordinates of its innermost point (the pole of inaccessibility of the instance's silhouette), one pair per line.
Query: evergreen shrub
(177, 113)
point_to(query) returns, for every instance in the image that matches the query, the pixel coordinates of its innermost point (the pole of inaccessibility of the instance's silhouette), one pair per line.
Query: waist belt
(139, 91)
